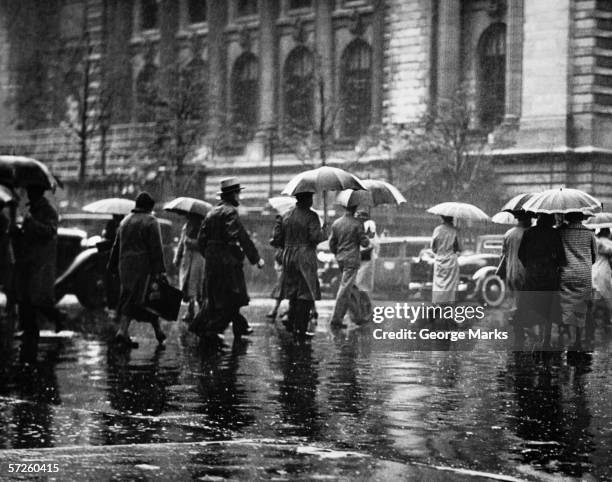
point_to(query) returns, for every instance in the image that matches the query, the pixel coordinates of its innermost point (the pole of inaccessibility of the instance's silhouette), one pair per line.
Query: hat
(230, 184)
(145, 201)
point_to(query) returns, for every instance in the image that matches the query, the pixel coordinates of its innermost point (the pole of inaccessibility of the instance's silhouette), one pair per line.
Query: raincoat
(602, 272)
(137, 253)
(190, 263)
(445, 245)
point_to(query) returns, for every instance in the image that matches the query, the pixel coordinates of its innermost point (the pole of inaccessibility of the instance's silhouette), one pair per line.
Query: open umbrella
(6, 194)
(599, 220)
(282, 204)
(113, 205)
(504, 217)
(325, 178)
(378, 192)
(517, 202)
(562, 201)
(459, 211)
(18, 171)
(188, 205)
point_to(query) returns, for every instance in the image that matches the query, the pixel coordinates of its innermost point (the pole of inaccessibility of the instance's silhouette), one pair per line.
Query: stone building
(538, 73)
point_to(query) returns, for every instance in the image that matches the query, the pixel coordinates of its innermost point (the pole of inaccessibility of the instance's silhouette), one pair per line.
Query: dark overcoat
(298, 232)
(37, 253)
(224, 242)
(137, 252)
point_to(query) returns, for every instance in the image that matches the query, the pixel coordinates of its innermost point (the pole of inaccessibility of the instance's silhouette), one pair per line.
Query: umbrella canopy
(459, 211)
(504, 217)
(325, 178)
(282, 204)
(563, 201)
(517, 202)
(6, 194)
(113, 205)
(17, 171)
(599, 221)
(188, 205)
(378, 192)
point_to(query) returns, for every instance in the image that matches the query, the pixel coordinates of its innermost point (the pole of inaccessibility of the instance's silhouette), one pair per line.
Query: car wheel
(492, 291)
(91, 289)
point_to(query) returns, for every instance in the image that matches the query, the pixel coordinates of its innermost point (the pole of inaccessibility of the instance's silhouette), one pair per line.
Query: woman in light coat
(602, 273)
(190, 263)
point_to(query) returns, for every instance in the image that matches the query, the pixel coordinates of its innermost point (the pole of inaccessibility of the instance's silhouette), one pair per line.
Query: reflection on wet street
(344, 406)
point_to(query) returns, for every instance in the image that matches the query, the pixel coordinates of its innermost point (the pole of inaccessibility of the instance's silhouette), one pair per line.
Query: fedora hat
(230, 184)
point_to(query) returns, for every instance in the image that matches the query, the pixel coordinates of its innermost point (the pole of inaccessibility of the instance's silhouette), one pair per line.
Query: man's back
(347, 235)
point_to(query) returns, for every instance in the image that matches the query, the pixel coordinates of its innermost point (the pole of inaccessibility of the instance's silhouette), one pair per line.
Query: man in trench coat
(224, 243)
(137, 254)
(298, 232)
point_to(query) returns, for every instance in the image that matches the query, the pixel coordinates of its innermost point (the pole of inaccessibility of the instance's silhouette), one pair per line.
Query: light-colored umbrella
(113, 205)
(517, 202)
(325, 178)
(378, 192)
(599, 218)
(188, 205)
(6, 194)
(563, 201)
(459, 211)
(282, 203)
(504, 217)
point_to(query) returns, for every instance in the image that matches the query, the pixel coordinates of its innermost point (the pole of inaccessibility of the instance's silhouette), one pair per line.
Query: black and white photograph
(302, 240)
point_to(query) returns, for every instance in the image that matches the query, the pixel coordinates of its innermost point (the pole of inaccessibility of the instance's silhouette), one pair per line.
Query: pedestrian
(111, 279)
(276, 294)
(365, 275)
(511, 269)
(190, 263)
(347, 236)
(576, 275)
(224, 243)
(137, 255)
(541, 253)
(36, 264)
(297, 233)
(7, 260)
(602, 274)
(445, 245)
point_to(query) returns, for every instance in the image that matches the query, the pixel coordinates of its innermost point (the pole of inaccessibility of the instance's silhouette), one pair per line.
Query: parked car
(477, 278)
(82, 261)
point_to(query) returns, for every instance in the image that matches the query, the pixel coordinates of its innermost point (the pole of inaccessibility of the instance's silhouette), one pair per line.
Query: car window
(492, 246)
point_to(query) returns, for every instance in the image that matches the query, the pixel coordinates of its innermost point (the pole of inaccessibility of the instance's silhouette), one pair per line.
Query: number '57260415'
(32, 468)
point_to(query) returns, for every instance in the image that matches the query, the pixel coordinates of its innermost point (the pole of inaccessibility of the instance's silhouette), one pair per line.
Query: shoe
(125, 341)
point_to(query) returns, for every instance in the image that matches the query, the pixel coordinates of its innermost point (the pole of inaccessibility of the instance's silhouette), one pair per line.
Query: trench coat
(224, 243)
(37, 253)
(137, 253)
(602, 272)
(445, 245)
(191, 265)
(298, 232)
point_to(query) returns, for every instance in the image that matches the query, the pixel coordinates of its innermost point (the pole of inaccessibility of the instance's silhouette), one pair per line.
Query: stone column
(449, 48)
(378, 50)
(267, 65)
(216, 16)
(514, 62)
(324, 55)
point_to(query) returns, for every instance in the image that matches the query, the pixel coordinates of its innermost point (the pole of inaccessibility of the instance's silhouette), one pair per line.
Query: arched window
(492, 75)
(146, 92)
(356, 88)
(299, 88)
(245, 94)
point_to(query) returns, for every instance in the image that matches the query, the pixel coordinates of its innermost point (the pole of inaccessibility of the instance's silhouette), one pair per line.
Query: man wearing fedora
(224, 243)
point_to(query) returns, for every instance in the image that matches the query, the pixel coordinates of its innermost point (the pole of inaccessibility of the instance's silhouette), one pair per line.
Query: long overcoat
(137, 252)
(224, 242)
(37, 253)
(190, 263)
(298, 232)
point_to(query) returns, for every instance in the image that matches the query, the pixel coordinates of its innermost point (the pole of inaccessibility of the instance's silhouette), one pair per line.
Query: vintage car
(82, 259)
(477, 278)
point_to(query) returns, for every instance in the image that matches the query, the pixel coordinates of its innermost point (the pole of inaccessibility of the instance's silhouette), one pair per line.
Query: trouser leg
(342, 298)
(240, 325)
(302, 316)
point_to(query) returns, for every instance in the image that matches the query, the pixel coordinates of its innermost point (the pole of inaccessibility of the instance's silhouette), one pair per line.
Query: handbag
(161, 299)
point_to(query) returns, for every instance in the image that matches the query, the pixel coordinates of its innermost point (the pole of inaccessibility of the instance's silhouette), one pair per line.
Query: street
(344, 406)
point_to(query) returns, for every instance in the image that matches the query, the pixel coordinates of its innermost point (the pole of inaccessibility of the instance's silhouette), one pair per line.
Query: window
(148, 14)
(197, 11)
(245, 94)
(145, 93)
(492, 76)
(298, 4)
(356, 88)
(246, 7)
(299, 88)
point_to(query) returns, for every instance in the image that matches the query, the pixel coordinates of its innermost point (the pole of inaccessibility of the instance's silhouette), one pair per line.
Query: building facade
(538, 74)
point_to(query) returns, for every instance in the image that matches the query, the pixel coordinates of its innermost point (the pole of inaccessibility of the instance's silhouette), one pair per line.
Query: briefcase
(161, 299)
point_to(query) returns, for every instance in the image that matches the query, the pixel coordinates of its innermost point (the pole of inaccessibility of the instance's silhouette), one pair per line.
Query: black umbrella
(18, 171)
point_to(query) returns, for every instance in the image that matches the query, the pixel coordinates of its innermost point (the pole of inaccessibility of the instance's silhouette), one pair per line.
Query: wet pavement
(345, 406)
